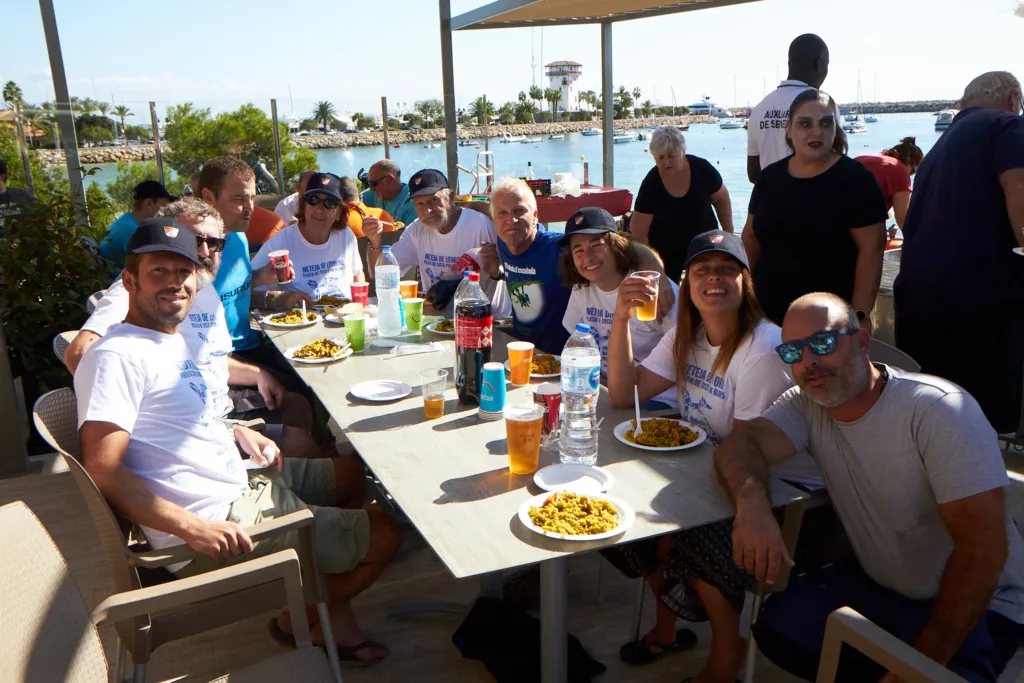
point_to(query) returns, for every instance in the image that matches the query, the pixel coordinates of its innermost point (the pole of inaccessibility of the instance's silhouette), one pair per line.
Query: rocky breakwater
(103, 155)
(407, 137)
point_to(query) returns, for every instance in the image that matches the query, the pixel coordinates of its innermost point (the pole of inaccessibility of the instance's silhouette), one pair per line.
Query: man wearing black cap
(149, 197)
(10, 197)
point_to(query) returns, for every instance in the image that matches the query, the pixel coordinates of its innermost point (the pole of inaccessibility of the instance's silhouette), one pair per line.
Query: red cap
(474, 277)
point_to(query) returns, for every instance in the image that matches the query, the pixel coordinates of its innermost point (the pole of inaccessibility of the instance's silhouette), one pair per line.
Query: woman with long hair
(816, 219)
(322, 249)
(720, 359)
(892, 169)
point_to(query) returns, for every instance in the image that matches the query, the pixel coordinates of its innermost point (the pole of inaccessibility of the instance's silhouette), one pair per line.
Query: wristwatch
(862, 316)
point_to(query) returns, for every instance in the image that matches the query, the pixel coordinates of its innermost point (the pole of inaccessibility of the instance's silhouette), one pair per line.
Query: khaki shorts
(342, 536)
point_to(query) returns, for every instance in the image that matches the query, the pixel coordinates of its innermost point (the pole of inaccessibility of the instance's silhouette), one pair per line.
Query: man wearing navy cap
(149, 197)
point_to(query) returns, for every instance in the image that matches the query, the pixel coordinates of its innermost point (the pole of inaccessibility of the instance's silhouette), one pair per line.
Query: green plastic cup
(355, 330)
(413, 314)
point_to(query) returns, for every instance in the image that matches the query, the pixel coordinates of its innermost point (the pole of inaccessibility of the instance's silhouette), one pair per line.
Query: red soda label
(474, 333)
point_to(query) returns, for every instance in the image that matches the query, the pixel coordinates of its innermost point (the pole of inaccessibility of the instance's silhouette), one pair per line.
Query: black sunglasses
(373, 183)
(214, 244)
(329, 203)
(822, 344)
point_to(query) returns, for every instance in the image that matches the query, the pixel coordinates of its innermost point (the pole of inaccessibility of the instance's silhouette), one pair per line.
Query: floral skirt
(701, 554)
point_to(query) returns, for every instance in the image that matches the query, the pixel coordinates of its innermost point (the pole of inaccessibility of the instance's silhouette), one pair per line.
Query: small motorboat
(592, 131)
(642, 136)
(855, 128)
(468, 143)
(432, 145)
(730, 124)
(944, 118)
(683, 127)
(512, 138)
(557, 136)
(397, 145)
(617, 139)
(870, 118)
(527, 141)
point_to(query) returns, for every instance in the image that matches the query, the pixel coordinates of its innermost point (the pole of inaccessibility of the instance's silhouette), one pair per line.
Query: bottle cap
(475, 277)
(386, 247)
(582, 327)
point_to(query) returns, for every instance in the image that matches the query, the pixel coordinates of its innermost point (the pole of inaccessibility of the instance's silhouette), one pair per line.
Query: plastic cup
(413, 314)
(522, 428)
(549, 397)
(433, 382)
(360, 292)
(492, 393)
(282, 264)
(409, 289)
(520, 356)
(648, 311)
(355, 330)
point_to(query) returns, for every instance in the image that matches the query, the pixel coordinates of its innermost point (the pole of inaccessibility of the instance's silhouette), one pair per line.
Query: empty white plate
(381, 390)
(576, 478)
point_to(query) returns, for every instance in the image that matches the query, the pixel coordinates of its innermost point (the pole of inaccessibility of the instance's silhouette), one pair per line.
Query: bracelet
(375, 247)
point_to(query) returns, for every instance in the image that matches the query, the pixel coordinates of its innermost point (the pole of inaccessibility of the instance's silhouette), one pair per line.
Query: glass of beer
(409, 289)
(520, 355)
(433, 382)
(523, 427)
(648, 311)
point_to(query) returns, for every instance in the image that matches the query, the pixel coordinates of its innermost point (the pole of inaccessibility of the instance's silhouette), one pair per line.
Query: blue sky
(221, 53)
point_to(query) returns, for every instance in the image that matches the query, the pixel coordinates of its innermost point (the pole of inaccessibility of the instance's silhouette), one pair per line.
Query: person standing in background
(892, 169)
(148, 197)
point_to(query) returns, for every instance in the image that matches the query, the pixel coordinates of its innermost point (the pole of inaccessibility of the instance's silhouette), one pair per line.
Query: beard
(206, 273)
(439, 220)
(848, 381)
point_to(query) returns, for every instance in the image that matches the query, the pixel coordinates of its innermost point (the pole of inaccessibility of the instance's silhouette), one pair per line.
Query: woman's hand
(634, 291)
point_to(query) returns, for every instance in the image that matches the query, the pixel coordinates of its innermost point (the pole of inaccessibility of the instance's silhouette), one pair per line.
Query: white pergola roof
(536, 13)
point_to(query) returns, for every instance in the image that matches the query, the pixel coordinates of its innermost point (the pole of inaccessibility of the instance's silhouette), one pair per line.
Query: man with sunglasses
(237, 390)
(387, 191)
(915, 473)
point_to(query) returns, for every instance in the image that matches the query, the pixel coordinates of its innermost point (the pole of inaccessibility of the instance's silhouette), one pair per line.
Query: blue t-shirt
(957, 221)
(400, 208)
(115, 244)
(233, 283)
(538, 296)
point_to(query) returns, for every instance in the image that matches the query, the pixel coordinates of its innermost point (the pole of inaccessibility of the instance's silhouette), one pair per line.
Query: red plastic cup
(361, 293)
(548, 395)
(282, 265)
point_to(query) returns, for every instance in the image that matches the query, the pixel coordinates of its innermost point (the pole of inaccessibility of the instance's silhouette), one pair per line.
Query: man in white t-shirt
(439, 236)
(238, 390)
(149, 443)
(766, 128)
(287, 207)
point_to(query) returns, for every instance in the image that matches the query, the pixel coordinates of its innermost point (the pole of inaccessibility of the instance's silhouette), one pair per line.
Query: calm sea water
(726, 149)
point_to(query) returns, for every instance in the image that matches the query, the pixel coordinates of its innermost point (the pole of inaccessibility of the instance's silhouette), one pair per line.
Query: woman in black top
(817, 218)
(674, 202)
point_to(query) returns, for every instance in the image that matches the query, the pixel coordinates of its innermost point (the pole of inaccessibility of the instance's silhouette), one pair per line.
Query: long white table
(450, 475)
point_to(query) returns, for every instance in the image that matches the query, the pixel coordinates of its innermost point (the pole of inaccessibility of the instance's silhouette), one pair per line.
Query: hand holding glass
(648, 311)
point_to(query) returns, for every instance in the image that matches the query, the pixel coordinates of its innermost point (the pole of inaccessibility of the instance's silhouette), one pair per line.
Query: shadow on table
(520, 531)
(389, 422)
(481, 486)
(469, 417)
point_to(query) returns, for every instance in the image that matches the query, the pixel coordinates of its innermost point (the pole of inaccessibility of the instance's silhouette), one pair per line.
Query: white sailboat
(871, 118)
(854, 124)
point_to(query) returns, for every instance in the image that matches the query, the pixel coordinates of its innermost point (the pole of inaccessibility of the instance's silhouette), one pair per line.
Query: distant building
(563, 76)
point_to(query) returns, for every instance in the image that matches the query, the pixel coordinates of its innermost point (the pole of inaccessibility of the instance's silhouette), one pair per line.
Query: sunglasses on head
(329, 203)
(822, 344)
(373, 183)
(214, 244)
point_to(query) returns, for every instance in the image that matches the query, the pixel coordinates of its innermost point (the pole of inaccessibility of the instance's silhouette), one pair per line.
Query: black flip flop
(345, 654)
(638, 652)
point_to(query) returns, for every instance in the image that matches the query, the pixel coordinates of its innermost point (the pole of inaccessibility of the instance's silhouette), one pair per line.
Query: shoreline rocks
(103, 155)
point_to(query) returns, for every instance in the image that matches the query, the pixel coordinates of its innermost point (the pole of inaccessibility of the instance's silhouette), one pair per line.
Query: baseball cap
(163, 235)
(427, 181)
(324, 183)
(151, 189)
(590, 220)
(716, 240)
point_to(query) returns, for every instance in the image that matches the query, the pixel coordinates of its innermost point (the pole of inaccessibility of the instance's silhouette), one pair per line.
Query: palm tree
(103, 108)
(636, 94)
(122, 112)
(12, 93)
(49, 113)
(552, 96)
(523, 96)
(481, 109)
(647, 107)
(324, 113)
(536, 94)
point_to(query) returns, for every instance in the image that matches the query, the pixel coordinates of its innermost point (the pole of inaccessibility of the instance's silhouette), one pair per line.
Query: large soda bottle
(581, 384)
(472, 340)
(386, 277)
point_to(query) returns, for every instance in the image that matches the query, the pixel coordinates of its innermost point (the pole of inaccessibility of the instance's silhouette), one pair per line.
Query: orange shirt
(355, 219)
(262, 225)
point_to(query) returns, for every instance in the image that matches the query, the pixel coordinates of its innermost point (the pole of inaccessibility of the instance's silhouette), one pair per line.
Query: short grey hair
(667, 140)
(192, 206)
(389, 166)
(991, 88)
(513, 185)
(349, 190)
(841, 312)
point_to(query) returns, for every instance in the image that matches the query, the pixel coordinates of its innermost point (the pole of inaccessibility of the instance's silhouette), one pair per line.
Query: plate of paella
(291, 319)
(319, 352)
(571, 516)
(661, 434)
(543, 366)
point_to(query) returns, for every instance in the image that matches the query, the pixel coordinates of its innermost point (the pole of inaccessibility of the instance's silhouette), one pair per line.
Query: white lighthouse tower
(562, 76)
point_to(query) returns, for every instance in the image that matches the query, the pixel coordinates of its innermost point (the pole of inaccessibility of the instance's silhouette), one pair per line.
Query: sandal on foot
(639, 652)
(345, 654)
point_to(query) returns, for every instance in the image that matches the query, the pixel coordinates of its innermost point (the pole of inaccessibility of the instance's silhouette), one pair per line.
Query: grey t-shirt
(925, 442)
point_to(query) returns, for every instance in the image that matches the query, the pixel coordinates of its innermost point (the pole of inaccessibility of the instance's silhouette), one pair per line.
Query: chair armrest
(845, 625)
(281, 566)
(152, 559)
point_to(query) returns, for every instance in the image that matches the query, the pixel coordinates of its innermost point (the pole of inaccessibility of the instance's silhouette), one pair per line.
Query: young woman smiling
(817, 218)
(322, 249)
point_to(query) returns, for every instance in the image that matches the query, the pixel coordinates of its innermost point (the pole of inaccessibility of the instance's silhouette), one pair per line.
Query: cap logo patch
(417, 181)
(170, 231)
(579, 219)
(717, 239)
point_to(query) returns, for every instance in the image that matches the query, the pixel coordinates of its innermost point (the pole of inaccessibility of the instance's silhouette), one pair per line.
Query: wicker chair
(55, 416)
(61, 343)
(90, 303)
(57, 640)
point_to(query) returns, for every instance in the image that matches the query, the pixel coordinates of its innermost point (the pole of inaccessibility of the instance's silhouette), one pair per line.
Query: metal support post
(554, 623)
(277, 146)
(607, 100)
(156, 144)
(384, 117)
(448, 80)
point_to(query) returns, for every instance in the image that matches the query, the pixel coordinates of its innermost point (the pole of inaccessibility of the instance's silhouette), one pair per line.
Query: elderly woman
(320, 246)
(675, 199)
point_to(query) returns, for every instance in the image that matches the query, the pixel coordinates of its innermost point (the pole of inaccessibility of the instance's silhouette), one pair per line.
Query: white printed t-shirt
(205, 331)
(766, 128)
(595, 307)
(435, 253)
(326, 269)
(756, 376)
(287, 207)
(147, 384)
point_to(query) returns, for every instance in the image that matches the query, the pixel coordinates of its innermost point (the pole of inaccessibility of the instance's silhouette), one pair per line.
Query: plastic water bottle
(581, 385)
(386, 277)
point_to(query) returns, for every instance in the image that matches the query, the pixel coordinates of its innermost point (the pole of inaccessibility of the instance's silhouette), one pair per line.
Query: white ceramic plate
(508, 368)
(432, 329)
(623, 427)
(576, 478)
(266, 321)
(345, 353)
(381, 390)
(626, 518)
